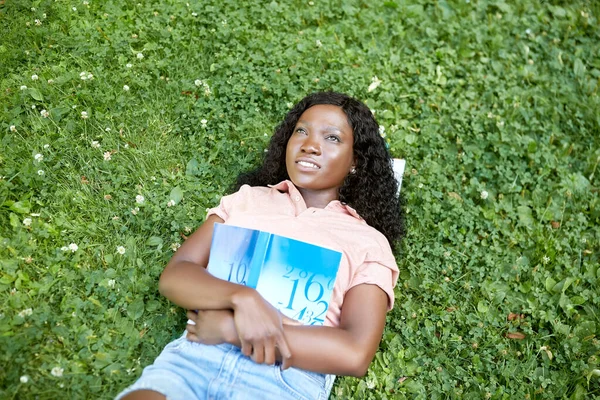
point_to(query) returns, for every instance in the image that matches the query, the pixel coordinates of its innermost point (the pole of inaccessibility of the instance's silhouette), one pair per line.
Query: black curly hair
(371, 190)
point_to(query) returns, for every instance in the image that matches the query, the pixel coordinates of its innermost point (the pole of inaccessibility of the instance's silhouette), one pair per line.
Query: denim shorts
(187, 370)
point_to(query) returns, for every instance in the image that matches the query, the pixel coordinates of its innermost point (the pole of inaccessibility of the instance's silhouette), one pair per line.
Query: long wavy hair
(371, 190)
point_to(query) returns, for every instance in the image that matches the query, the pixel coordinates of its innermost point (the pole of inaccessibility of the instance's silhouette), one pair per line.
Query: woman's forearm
(192, 287)
(325, 350)
(328, 350)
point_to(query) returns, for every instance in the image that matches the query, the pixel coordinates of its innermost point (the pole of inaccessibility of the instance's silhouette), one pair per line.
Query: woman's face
(320, 152)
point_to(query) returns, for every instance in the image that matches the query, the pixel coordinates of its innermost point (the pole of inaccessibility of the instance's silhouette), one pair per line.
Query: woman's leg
(144, 395)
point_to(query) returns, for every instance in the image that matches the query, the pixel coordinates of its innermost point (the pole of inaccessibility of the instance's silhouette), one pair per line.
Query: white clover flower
(25, 313)
(375, 82)
(84, 115)
(134, 211)
(32, 8)
(126, 88)
(13, 128)
(420, 186)
(382, 131)
(27, 221)
(83, 75)
(23, 87)
(484, 194)
(24, 379)
(128, 65)
(73, 247)
(95, 144)
(318, 43)
(198, 82)
(204, 122)
(121, 250)
(107, 155)
(34, 77)
(85, 3)
(33, 107)
(74, 8)
(64, 248)
(40, 172)
(107, 129)
(46, 146)
(311, 3)
(38, 157)
(38, 22)
(45, 114)
(90, 76)
(171, 203)
(175, 246)
(111, 283)
(545, 260)
(187, 229)
(206, 89)
(139, 199)
(57, 371)
(194, 14)
(528, 31)
(139, 56)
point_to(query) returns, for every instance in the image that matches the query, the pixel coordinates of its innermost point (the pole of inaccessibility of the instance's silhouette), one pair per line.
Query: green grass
(480, 95)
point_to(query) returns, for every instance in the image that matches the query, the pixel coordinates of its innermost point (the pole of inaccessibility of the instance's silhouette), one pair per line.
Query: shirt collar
(335, 205)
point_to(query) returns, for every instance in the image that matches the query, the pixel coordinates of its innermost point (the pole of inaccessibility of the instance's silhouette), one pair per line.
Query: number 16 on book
(299, 294)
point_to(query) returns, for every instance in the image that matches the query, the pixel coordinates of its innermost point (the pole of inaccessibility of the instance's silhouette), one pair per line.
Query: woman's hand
(211, 327)
(260, 328)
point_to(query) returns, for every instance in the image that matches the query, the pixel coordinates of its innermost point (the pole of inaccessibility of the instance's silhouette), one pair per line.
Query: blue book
(296, 277)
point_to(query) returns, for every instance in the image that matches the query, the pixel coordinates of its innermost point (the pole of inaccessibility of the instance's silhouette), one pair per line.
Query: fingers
(192, 315)
(258, 353)
(192, 337)
(286, 363)
(283, 347)
(191, 328)
(246, 348)
(270, 353)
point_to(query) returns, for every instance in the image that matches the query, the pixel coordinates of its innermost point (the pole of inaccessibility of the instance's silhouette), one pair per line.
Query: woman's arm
(349, 349)
(186, 282)
(346, 350)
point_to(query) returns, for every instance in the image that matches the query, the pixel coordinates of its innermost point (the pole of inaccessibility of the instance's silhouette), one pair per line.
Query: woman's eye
(333, 138)
(300, 130)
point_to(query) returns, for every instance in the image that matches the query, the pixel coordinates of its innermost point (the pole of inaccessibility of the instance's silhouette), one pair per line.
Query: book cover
(294, 276)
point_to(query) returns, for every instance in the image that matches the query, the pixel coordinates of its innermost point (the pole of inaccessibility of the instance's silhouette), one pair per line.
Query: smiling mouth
(308, 164)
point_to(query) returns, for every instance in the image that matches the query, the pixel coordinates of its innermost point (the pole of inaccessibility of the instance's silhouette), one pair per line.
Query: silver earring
(353, 170)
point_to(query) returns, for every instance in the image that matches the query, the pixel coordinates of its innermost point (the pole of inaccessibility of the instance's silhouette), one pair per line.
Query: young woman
(326, 179)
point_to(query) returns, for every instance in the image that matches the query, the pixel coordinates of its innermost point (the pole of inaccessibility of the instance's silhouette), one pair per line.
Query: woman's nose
(311, 145)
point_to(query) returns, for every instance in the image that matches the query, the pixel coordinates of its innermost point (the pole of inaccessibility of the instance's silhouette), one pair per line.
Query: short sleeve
(228, 203)
(375, 273)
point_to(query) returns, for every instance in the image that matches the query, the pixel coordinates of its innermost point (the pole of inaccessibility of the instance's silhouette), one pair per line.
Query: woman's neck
(318, 198)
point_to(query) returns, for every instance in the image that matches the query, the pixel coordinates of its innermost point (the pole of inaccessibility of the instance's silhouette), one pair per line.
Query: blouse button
(297, 198)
